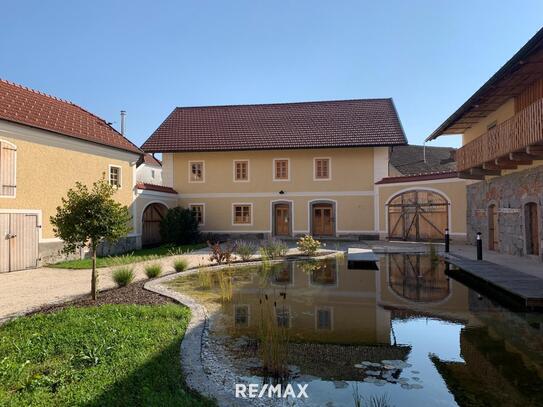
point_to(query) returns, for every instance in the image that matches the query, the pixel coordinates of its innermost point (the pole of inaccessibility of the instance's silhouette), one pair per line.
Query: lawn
(111, 355)
(132, 257)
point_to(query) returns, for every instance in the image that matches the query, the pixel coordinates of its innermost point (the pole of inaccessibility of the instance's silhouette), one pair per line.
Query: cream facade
(453, 190)
(346, 197)
(48, 164)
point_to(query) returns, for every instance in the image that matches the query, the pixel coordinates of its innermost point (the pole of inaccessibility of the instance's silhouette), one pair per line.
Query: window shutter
(7, 169)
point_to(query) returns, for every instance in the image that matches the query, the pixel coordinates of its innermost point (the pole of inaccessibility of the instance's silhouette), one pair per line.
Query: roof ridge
(38, 92)
(282, 103)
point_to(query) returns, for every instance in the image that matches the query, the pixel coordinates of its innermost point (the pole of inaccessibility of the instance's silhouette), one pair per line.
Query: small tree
(88, 217)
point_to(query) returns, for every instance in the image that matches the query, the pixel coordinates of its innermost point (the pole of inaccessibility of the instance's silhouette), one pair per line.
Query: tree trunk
(94, 277)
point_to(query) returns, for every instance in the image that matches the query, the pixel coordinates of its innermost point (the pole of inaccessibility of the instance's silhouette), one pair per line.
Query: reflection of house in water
(328, 303)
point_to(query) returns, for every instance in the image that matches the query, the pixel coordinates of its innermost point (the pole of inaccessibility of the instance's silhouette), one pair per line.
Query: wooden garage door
(18, 241)
(418, 215)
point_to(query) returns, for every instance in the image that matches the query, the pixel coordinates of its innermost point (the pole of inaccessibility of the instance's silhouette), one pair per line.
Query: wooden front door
(492, 228)
(282, 220)
(323, 221)
(152, 216)
(18, 241)
(532, 228)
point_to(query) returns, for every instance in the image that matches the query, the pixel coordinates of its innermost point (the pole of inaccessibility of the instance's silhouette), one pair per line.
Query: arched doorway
(152, 216)
(492, 228)
(418, 215)
(323, 219)
(531, 225)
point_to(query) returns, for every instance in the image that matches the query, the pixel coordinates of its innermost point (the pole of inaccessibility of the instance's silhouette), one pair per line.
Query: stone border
(197, 375)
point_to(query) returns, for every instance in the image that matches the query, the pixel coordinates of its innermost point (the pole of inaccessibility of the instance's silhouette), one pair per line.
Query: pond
(403, 335)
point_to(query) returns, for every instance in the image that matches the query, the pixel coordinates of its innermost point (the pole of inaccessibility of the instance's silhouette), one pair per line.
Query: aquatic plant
(308, 246)
(205, 279)
(382, 400)
(245, 249)
(272, 341)
(265, 257)
(434, 258)
(225, 285)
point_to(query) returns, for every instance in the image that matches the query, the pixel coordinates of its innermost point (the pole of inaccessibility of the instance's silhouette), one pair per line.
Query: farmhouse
(46, 146)
(297, 168)
(502, 135)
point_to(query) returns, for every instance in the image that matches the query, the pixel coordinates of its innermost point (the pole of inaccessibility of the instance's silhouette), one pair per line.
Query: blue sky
(148, 57)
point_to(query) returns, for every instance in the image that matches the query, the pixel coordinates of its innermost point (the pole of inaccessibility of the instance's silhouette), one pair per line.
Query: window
(115, 176)
(153, 174)
(281, 170)
(322, 168)
(241, 170)
(198, 211)
(242, 214)
(283, 317)
(241, 315)
(8, 154)
(196, 171)
(324, 319)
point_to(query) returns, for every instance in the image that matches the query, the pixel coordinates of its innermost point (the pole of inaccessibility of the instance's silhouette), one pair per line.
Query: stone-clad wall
(509, 193)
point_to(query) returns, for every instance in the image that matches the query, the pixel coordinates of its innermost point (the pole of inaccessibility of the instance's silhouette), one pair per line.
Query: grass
(112, 355)
(153, 270)
(123, 276)
(180, 265)
(133, 257)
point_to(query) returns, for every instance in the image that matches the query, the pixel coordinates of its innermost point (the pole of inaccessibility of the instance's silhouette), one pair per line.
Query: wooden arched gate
(152, 216)
(418, 215)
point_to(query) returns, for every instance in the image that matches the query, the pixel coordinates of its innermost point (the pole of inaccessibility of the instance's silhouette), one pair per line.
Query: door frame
(290, 205)
(333, 205)
(147, 205)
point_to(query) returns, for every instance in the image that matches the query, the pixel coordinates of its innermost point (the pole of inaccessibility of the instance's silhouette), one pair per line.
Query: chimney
(123, 114)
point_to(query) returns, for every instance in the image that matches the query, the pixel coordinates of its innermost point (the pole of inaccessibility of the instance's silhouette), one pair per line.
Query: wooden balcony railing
(523, 130)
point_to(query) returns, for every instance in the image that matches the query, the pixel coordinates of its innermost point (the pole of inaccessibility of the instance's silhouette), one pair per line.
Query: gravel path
(27, 290)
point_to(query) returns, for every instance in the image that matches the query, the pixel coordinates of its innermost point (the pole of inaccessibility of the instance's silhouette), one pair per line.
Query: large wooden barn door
(18, 241)
(418, 216)
(152, 216)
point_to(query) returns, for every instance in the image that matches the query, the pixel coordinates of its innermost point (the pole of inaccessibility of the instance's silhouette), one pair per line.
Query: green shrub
(123, 276)
(179, 227)
(153, 270)
(245, 249)
(275, 248)
(180, 265)
(308, 246)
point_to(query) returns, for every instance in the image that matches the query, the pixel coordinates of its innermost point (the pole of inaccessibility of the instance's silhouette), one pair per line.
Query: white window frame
(236, 306)
(233, 213)
(289, 320)
(315, 168)
(120, 175)
(234, 162)
(288, 170)
(14, 172)
(191, 181)
(203, 205)
(331, 310)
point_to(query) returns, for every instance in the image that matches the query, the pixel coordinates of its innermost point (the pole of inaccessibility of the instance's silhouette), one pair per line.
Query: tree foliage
(88, 217)
(179, 227)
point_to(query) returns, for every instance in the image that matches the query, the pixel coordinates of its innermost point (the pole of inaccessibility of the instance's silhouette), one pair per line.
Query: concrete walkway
(23, 291)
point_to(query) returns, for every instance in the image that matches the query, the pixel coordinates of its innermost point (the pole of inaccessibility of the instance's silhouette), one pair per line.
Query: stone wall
(509, 193)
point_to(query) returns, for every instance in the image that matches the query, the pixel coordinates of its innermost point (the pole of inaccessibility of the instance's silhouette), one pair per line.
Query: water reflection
(406, 330)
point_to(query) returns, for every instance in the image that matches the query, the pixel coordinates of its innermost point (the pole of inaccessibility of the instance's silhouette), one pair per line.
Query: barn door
(418, 216)
(152, 216)
(18, 241)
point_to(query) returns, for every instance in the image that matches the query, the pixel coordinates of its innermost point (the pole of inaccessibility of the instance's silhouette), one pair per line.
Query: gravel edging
(204, 373)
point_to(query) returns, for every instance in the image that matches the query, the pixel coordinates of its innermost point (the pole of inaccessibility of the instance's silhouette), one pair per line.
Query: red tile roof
(153, 187)
(418, 177)
(150, 160)
(26, 106)
(345, 123)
